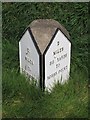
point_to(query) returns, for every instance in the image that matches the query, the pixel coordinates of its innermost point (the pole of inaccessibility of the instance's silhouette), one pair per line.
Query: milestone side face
(29, 57)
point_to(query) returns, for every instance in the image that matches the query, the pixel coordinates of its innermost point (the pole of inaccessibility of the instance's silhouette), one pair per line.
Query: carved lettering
(61, 57)
(51, 62)
(58, 51)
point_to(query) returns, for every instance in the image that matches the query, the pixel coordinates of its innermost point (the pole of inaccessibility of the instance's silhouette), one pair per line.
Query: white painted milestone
(45, 52)
(57, 61)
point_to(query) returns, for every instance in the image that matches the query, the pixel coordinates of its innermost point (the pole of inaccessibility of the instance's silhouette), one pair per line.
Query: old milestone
(45, 52)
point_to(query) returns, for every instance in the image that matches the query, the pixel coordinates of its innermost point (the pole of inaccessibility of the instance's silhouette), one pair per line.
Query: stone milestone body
(44, 51)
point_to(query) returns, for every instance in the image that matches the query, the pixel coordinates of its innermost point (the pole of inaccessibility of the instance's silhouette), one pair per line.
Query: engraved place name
(62, 57)
(58, 59)
(57, 72)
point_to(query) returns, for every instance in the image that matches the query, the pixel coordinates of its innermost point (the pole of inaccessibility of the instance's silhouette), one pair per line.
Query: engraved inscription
(28, 60)
(57, 72)
(58, 51)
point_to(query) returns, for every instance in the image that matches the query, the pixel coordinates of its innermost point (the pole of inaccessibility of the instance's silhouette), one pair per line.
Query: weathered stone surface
(43, 30)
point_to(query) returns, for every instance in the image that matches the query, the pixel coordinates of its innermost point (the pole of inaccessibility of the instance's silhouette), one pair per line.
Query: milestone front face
(57, 60)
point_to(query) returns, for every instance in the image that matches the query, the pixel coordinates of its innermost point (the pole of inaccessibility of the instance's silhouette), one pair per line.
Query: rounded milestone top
(45, 23)
(44, 29)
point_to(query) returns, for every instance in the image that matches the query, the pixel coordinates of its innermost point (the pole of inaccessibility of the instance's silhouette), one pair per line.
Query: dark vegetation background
(21, 99)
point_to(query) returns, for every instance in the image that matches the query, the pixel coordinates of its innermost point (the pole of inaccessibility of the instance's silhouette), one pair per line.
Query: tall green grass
(23, 99)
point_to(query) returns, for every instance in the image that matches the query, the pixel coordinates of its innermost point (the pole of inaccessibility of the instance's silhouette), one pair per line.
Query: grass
(22, 98)
(26, 100)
